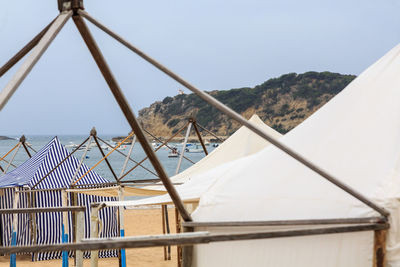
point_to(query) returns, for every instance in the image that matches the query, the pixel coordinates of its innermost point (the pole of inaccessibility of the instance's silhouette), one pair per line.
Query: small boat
(173, 153)
(194, 149)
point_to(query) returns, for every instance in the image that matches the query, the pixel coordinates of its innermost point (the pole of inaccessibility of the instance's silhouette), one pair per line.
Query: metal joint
(77, 5)
(64, 5)
(22, 139)
(93, 132)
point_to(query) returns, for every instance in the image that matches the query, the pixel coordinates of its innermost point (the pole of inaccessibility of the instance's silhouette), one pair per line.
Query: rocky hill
(282, 103)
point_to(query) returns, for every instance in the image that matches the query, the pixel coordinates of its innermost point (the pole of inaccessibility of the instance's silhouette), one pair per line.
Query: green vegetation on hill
(281, 102)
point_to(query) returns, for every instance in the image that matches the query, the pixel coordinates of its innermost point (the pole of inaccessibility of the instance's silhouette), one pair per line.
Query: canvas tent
(356, 137)
(240, 144)
(48, 225)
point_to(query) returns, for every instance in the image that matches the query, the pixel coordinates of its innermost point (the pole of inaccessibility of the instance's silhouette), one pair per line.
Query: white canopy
(356, 137)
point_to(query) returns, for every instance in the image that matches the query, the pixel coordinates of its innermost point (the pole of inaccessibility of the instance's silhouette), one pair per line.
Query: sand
(137, 222)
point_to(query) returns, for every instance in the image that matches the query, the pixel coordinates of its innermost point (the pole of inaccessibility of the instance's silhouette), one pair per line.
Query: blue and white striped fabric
(49, 225)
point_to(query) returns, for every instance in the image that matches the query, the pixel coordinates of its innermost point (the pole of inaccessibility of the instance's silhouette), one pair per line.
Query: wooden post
(94, 233)
(74, 201)
(178, 230)
(168, 230)
(379, 256)
(163, 229)
(80, 234)
(13, 257)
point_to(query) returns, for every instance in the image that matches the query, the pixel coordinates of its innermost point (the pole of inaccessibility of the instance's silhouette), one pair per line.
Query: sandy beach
(137, 222)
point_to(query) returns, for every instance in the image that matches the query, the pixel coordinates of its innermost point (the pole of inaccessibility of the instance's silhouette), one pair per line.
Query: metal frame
(237, 117)
(188, 239)
(74, 8)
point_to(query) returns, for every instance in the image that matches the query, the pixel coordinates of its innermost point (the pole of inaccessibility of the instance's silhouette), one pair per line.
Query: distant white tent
(240, 144)
(356, 136)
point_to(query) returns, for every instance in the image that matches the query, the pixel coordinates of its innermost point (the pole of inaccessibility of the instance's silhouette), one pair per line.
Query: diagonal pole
(123, 154)
(129, 115)
(240, 119)
(23, 140)
(25, 50)
(82, 159)
(199, 136)
(128, 156)
(94, 134)
(13, 156)
(59, 164)
(166, 142)
(178, 167)
(208, 131)
(158, 148)
(33, 57)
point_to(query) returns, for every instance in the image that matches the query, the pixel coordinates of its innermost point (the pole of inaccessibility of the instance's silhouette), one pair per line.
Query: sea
(94, 155)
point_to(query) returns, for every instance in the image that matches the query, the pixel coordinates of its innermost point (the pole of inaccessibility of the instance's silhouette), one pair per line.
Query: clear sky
(213, 44)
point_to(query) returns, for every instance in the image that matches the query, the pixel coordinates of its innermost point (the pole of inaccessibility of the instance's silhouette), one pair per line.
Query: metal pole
(237, 117)
(13, 257)
(105, 158)
(33, 57)
(121, 224)
(123, 154)
(165, 143)
(59, 164)
(64, 230)
(183, 147)
(82, 159)
(128, 157)
(129, 115)
(25, 50)
(208, 131)
(23, 140)
(186, 239)
(199, 136)
(12, 159)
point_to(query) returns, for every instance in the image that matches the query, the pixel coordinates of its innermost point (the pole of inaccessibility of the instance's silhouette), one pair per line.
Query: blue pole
(13, 257)
(123, 253)
(64, 239)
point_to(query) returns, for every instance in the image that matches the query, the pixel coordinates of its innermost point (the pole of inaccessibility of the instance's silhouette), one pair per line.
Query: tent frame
(22, 142)
(75, 9)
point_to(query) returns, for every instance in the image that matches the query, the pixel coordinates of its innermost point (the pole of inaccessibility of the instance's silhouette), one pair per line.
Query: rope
(94, 166)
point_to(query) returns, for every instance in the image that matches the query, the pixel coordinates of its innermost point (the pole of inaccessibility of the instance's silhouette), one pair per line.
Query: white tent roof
(356, 137)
